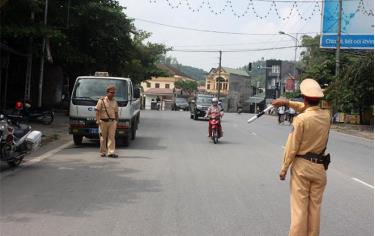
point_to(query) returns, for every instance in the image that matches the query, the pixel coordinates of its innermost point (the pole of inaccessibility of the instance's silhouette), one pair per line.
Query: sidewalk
(59, 129)
(364, 131)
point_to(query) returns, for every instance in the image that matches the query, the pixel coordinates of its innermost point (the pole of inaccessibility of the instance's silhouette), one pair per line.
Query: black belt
(106, 120)
(315, 158)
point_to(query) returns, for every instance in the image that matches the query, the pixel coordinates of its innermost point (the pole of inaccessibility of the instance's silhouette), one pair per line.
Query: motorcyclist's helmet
(215, 101)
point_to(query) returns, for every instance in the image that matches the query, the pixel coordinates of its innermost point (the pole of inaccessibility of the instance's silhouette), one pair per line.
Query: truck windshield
(204, 100)
(93, 89)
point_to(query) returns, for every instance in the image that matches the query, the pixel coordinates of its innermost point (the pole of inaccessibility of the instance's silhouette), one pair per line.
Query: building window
(275, 69)
(208, 86)
(148, 85)
(157, 85)
(167, 86)
(225, 85)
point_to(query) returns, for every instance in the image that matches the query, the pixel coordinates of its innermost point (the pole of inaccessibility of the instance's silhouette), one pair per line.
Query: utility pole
(42, 59)
(29, 64)
(338, 46)
(219, 78)
(295, 58)
(338, 43)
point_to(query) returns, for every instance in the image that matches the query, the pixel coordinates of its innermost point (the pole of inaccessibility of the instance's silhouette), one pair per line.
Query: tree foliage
(187, 86)
(353, 91)
(85, 36)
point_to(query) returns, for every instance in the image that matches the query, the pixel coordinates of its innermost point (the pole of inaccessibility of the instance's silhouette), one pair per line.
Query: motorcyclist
(214, 108)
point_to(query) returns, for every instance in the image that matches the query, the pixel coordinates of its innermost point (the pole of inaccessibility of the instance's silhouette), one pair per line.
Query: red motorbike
(214, 123)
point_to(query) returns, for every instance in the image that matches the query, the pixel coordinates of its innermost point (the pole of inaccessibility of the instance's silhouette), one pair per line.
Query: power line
(237, 50)
(231, 44)
(214, 31)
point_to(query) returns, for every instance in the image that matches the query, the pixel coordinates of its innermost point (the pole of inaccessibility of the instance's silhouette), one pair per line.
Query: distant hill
(193, 72)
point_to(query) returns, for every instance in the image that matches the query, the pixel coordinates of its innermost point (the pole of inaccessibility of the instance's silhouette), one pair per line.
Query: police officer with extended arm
(304, 154)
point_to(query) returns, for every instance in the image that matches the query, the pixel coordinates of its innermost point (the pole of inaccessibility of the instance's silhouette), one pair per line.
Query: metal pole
(338, 44)
(29, 64)
(295, 58)
(219, 78)
(42, 59)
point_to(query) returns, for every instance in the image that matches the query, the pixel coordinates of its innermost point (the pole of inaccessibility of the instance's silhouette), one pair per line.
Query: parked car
(180, 104)
(199, 106)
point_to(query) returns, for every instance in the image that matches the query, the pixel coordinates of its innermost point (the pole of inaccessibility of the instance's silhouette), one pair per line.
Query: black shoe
(113, 155)
(102, 155)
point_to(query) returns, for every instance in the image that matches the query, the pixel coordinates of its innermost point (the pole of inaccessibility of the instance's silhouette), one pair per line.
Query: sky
(227, 20)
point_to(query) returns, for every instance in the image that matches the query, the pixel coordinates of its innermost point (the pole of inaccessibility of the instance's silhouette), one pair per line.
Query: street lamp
(295, 50)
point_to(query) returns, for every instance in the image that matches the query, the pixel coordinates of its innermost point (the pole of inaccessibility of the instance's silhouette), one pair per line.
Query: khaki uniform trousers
(107, 131)
(307, 184)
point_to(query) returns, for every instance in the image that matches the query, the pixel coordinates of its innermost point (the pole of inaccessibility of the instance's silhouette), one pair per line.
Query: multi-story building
(162, 87)
(279, 79)
(233, 85)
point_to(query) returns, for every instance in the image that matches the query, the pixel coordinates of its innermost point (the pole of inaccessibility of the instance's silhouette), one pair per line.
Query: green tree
(97, 35)
(353, 91)
(187, 86)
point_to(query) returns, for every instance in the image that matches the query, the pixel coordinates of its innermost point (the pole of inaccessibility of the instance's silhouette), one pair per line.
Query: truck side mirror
(136, 92)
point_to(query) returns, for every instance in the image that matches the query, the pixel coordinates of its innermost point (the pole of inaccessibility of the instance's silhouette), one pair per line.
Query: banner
(357, 24)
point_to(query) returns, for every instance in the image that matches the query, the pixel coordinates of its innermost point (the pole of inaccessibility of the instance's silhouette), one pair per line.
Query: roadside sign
(357, 25)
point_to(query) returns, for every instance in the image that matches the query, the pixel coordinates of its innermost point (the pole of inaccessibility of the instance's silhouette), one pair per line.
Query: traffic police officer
(308, 137)
(106, 119)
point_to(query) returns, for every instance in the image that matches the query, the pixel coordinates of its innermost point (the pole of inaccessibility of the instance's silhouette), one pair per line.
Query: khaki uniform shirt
(111, 107)
(309, 133)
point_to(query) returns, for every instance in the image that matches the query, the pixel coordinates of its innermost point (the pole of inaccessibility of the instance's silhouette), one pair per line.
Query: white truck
(86, 92)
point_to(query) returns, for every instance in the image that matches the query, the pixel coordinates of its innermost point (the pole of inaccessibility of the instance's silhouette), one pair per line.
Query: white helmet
(215, 100)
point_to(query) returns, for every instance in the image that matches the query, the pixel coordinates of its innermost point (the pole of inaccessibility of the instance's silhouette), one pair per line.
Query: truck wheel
(77, 139)
(126, 141)
(134, 132)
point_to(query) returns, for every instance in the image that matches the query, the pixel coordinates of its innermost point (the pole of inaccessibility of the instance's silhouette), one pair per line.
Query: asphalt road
(173, 180)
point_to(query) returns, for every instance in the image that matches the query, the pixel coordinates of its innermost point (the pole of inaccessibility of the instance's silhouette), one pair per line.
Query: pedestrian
(158, 103)
(291, 114)
(106, 119)
(304, 152)
(280, 113)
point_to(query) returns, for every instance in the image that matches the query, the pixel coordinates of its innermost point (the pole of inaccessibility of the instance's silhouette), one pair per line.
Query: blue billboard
(357, 24)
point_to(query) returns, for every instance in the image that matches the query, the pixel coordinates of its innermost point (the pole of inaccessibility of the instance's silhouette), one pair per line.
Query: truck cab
(87, 91)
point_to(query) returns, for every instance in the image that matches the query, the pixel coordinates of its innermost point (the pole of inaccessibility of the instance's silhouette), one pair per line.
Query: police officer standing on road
(106, 119)
(304, 151)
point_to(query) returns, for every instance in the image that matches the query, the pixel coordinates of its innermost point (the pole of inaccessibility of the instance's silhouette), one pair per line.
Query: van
(87, 91)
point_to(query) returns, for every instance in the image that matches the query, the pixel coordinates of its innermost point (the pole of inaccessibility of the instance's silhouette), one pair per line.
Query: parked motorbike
(16, 140)
(214, 122)
(29, 113)
(239, 110)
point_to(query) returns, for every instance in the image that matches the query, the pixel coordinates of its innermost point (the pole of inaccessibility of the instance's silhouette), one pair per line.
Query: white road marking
(48, 154)
(364, 183)
(253, 133)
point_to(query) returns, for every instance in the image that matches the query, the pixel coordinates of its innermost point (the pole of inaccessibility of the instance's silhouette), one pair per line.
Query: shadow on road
(71, 187)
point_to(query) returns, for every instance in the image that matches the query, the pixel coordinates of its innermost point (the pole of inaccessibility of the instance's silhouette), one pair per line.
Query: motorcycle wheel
(47, 119)
(215, 136)
(15, 163)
